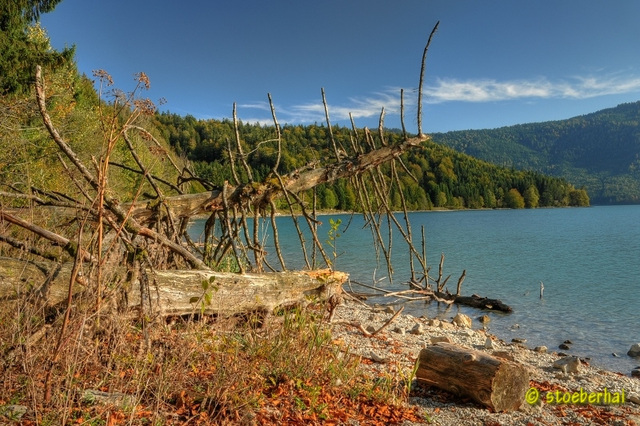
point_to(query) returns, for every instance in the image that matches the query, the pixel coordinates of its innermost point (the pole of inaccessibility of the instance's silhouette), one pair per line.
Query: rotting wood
(496, 383)
(173, 291)
(479, 302)
(473, 301)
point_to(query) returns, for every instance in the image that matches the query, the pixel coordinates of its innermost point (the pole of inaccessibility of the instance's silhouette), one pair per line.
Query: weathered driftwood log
(474, 301)
(479, 302)
(493, 382)
(182, 292)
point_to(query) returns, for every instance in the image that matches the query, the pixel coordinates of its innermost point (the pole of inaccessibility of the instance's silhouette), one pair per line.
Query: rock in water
(635, 350)
(484, 319)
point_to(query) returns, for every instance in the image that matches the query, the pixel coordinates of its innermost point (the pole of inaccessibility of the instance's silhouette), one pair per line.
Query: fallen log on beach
(496, 383)
(180, 292)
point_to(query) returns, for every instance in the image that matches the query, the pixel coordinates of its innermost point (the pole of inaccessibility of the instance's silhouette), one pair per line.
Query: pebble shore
(394, 350)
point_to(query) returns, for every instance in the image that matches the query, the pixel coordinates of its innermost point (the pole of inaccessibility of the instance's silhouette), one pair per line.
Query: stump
(496, 383)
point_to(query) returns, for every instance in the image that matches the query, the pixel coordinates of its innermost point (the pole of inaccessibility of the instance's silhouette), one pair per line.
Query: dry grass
(115, 370)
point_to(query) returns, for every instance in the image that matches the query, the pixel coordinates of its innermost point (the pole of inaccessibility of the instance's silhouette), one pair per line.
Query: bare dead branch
(243, 159)
(332, 139)
(422, 68)
(460, 280)
(62, 144)
(65, 243)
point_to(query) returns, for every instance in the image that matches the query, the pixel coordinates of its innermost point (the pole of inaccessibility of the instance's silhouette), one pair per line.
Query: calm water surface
(588, 259)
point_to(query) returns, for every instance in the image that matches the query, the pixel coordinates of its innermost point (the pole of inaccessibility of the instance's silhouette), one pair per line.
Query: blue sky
(492, 63)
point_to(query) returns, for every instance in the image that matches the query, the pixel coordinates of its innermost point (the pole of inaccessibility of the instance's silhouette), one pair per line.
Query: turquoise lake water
(587, 258)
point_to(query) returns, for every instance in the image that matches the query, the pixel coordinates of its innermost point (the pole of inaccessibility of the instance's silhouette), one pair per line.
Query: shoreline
(395, 349)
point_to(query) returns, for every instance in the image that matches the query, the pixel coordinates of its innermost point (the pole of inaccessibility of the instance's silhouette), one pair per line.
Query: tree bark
(482, 303)
(493, 382)
(474, 301)
(181, 292)
(260, 194)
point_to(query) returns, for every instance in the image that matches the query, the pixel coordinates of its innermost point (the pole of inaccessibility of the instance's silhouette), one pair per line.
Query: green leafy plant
(332, 240)
(207, 295)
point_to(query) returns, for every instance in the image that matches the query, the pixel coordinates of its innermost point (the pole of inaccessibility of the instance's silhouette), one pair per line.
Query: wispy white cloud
(453, 90)
(448, 90)
(364, 107)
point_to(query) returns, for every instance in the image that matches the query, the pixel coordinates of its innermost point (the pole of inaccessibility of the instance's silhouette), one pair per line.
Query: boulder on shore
(462, 320)
(568, 365)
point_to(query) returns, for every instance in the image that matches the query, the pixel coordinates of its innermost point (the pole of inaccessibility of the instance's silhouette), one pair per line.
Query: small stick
(385, 325)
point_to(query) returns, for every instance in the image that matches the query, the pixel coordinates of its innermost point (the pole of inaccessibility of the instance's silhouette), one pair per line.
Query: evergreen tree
(531, 197)
(20, 51)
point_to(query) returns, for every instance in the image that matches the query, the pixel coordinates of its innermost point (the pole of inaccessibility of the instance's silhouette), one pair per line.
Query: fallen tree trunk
(474, 301)
(493, 382)
(182, 292)
(260, 193)
(479, 302)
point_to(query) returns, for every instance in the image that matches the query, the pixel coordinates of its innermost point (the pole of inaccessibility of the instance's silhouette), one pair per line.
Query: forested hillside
(435, 176)
(598, 151)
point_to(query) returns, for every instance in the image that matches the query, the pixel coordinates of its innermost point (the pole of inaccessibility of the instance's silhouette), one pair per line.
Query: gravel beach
(394, 350)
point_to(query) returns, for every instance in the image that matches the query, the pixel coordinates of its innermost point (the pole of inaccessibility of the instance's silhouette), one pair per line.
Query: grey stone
(389, 310)
(377, 358)
(417, 329)
(541, 349)
(568, 365)
(108, 398)
(438, 339)
(488, 344)
(635, 372)
(14, 412)
(635, 350)
(401, 331)
(518, 340)
(370, 329)
(484, 319)
(564, 346)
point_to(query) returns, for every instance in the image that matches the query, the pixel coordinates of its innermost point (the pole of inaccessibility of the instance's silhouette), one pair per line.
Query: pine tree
(20, 52)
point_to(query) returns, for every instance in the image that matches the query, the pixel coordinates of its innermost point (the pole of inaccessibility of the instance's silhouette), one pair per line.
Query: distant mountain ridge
(598, 151)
